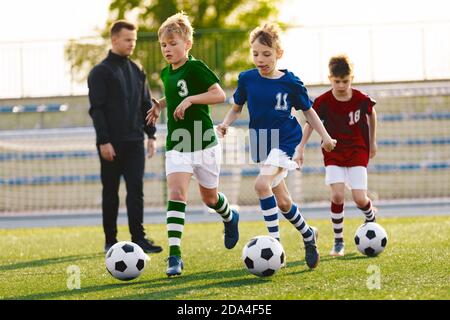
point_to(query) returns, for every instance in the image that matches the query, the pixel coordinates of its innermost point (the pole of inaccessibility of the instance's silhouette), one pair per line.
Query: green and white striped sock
(175, 224)
(222, 207)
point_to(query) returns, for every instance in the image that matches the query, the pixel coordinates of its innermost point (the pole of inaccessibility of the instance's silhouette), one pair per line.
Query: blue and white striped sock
(270, 212)
(296, 218)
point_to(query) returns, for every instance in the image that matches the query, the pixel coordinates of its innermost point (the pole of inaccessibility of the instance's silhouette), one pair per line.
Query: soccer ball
(371, 239)
(125, 260)
(263, 256)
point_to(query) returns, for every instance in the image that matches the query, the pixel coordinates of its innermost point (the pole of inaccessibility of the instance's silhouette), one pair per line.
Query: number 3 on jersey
(183, 88)
(354, 117)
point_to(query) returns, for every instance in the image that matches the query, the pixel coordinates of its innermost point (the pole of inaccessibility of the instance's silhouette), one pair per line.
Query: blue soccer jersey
(269, 103)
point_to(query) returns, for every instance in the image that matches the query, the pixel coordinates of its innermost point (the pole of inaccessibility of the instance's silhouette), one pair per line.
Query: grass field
(415, 265)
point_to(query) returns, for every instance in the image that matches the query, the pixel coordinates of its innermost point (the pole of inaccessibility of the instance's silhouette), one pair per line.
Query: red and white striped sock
(368, 212)
(337, 219)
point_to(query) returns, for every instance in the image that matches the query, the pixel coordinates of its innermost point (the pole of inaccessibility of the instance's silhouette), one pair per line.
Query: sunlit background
(50, 184)
(387, 40)
(401, 53)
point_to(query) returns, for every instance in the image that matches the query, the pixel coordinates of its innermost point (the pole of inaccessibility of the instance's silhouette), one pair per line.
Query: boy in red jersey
(349, 117)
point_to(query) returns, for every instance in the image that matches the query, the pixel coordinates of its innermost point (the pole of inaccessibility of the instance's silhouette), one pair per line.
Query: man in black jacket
(119, 100)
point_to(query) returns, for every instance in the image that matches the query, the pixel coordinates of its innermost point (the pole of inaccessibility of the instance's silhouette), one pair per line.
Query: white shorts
(277, 159)
(203, 164)
(353, 177)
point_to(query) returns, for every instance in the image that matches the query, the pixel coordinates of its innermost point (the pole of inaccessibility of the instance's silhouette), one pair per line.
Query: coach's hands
(107, 152)
(222, 130)
(154, 113)
(151, 147)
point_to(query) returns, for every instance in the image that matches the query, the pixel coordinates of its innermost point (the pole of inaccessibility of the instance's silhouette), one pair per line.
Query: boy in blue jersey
(274, 133)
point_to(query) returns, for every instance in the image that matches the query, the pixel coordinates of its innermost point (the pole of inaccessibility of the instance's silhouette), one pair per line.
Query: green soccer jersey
(194, 132)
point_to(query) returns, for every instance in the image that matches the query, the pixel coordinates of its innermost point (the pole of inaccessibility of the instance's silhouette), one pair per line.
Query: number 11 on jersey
(279, 97)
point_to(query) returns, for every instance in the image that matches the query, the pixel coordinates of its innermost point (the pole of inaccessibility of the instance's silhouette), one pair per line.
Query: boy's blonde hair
(340, 66)
(178, 23)
(268, 35)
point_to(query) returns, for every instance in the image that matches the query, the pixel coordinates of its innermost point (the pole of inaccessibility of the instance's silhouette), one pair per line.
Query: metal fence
(58, 169)
(389, 52)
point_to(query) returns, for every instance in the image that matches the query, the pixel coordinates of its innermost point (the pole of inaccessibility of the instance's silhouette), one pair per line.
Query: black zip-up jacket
(119, 100)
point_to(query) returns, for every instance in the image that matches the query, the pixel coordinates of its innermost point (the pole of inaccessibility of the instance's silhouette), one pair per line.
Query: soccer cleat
(338, 249)
(108, 246)
(312, 256)
(175, 266)
(231, 236)
(148, 246)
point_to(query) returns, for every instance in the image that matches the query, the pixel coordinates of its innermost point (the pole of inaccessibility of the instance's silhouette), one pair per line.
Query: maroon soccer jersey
(346, 121)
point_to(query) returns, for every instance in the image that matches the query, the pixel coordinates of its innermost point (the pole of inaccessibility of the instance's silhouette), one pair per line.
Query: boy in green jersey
(192, 148)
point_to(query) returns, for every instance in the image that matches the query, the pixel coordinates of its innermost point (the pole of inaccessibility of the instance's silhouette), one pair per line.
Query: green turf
(415, 265)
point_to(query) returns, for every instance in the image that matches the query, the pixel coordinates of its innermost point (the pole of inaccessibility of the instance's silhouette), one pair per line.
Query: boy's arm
(314, 121)
(299, 155)
(307, 131)
(214, 95)
(373, 133)
(231, 116)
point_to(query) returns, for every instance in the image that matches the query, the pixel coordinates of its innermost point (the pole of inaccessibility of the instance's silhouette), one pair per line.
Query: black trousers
(129, 163)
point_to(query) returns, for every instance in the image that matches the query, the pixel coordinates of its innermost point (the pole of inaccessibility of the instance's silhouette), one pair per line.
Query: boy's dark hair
(121, 24)
(340, 66)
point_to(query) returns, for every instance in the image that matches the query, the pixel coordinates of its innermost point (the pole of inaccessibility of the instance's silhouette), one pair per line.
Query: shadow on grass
(173, 288)
(71, 293)
(353, 256)
(169, 288)
(48, 261)
(325, 258)
(162, 288)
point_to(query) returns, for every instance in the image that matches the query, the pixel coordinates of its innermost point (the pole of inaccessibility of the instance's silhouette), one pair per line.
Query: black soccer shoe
(231, 236)
(312, 256)
(148, 246)
(108, 245)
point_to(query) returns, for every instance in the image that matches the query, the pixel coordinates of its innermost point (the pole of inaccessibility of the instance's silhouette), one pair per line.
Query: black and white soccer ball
(371, 239)
(125, 260)
(263, 256)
